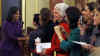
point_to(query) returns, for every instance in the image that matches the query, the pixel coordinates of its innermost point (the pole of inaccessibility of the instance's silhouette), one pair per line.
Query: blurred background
(31, 7)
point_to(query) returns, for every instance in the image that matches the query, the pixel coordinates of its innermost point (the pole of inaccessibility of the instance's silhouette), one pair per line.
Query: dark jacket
(9, 43)
(75, 49)
(43, 32)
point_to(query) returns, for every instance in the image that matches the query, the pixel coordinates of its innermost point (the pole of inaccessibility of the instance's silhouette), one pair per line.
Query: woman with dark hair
(87, 27)
(36, 20)
(46, 24)
(96, 34)
(44, 31)
(12, 32)
(73, 15)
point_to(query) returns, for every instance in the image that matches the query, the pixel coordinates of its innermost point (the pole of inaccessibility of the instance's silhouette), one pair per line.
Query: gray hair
(61, 7)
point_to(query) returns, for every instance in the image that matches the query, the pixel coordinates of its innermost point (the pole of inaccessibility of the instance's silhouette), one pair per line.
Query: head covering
(61, 7)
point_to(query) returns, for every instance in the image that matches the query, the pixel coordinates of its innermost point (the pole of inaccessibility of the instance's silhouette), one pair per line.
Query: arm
(58, 32)
(64, 45)
(74, 36)
(11, 32)
(32, 40)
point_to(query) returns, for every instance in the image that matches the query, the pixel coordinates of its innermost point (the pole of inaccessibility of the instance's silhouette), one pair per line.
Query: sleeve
(11, 32)
(66, 27)
(66, 31)
(32, 41)
(66, 45)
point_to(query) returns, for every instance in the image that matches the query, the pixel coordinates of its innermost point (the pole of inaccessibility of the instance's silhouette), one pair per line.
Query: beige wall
(43, 4)
(69, 2)
(32, 7)
(91, 0)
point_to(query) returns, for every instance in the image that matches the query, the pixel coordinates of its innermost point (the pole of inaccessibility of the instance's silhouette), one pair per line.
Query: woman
(87, 26)
(96, 34)
(44, 31)
(73, 15)
(36, 20)
(12, 32)
(59, 17)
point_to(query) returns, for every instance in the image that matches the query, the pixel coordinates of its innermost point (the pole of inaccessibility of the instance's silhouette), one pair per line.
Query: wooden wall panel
(0, 12)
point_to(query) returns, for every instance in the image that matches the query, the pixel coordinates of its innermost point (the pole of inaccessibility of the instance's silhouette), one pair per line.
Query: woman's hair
(11, 12)
(98, 8)
(45, 14)
(91, 6)
(73, 15)
(61, 7)
(36, 18)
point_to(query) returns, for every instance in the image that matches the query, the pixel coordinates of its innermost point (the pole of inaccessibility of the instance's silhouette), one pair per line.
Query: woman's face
(57, 15)
(16, 15)
(86, 12)
(97, 18)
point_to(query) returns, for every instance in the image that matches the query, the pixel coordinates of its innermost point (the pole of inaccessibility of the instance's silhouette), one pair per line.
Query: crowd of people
(63, 27)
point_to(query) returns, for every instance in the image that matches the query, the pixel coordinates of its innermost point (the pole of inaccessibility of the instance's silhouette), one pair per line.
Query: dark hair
(45, 14)
(73, 15)
(98, 2)
(0, 34)
(91, 6)
(11, 12)
(36, 18)
(98, 8)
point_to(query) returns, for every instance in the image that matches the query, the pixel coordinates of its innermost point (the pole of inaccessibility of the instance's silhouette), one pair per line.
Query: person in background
(12, 32)
(45, 30)
(36, 20)
(96, 34)
(35, 23)
(88, 11)
(73, 14)
(87, 26)
(59, 19)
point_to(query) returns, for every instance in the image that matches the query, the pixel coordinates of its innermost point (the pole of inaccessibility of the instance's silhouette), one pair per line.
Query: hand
(57, 28)
(36, 43)
(58, 32)
(24, 38)
(92, 49)
(44, 52)
(87, 46)
(27, 37)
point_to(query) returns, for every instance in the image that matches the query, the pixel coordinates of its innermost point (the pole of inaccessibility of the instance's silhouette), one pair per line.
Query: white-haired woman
(59, 18)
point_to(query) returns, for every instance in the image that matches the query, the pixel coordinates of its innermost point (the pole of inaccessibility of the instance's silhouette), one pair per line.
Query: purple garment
(9, 43)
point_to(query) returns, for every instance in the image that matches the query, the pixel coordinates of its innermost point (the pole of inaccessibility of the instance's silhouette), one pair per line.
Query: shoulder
(76, 30)
(75, 34)
(66, 26)
(5, 24)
